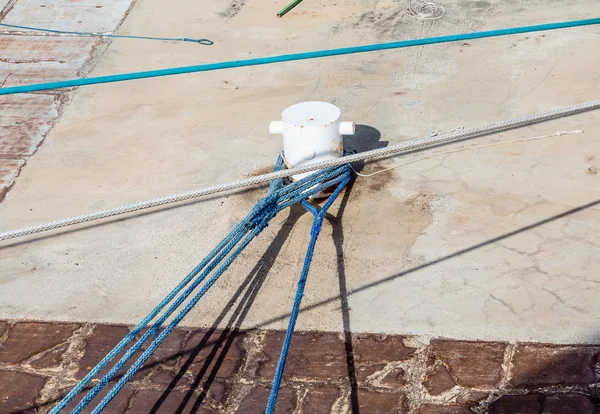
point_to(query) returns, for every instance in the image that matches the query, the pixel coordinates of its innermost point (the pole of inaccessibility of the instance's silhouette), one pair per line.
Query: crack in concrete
(507, 305)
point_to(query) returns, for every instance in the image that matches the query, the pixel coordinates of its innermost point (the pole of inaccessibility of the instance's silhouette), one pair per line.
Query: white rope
(424, 10)
(405, 146)
(469, 148)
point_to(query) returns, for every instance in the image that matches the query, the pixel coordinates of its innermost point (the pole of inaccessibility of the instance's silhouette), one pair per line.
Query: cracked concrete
(497, 243)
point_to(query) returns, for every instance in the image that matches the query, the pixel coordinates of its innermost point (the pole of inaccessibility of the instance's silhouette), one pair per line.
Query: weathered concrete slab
(493, 243)
(3, 4)
(78, 15)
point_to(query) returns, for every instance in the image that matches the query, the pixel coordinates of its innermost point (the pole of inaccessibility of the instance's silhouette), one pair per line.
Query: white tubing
(363, 156)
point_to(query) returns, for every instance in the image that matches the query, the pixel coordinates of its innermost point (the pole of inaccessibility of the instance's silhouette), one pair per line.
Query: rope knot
(266, 210)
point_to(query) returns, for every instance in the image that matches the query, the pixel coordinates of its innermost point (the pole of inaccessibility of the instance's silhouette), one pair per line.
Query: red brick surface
(224, 372)
(312, 355)
(256, 400)
(396, 378)
(320, 399)
(118, 405)
(171, 349)
(19, 391)
(545, 365)
(569, 404)
(156, 401)
(51, 359)
(471, 398)
(218, 354)
(471, 364)
(513, 404)
(375, 349)
(28, 339)
(438, 380)
(98, 344)
(381, 403)
(443, 409)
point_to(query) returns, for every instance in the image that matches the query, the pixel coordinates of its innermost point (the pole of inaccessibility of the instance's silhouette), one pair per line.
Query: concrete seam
(417, 369)
(300, 395)
(69, 366)
(9, 6)
(253, 345)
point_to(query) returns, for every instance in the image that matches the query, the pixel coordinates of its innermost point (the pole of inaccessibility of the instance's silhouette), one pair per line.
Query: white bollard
(312, 132)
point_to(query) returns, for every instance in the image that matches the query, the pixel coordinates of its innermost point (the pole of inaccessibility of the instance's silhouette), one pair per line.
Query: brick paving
(31, 57)
(222, 371)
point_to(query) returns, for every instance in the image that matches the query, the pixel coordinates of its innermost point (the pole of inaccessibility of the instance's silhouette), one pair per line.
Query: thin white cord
(438, 132)
(473, 147)
(424, 10)
(405, 146)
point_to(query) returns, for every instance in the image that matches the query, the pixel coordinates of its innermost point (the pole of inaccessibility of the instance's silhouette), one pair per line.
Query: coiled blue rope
(277, 199)
(205, 42)
(292, 57)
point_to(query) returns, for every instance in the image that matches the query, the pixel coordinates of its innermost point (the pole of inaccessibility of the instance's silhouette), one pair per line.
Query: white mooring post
(312, 132)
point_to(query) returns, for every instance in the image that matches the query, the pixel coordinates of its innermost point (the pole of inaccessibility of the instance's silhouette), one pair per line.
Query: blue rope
(319, 215)
(292, 57)
(214, 257)
(224, 245)
(205, 42)
(278, 198)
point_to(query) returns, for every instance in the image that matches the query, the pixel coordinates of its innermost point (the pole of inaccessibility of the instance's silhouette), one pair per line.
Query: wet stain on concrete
(374, 183)
(261, 171)
(376, 210)
(385, 23)
(235, 7)
(378, 182)
(477, 4)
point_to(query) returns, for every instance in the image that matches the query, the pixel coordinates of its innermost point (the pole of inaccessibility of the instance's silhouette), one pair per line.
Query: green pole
(287, 8)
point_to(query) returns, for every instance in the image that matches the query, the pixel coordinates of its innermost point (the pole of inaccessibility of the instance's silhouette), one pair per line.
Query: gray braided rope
(411, 145)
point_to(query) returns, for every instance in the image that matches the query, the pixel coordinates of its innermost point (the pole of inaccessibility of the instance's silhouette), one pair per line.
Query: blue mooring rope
(292, 57)
(205, 42)
(319, 216)
(278, 198)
